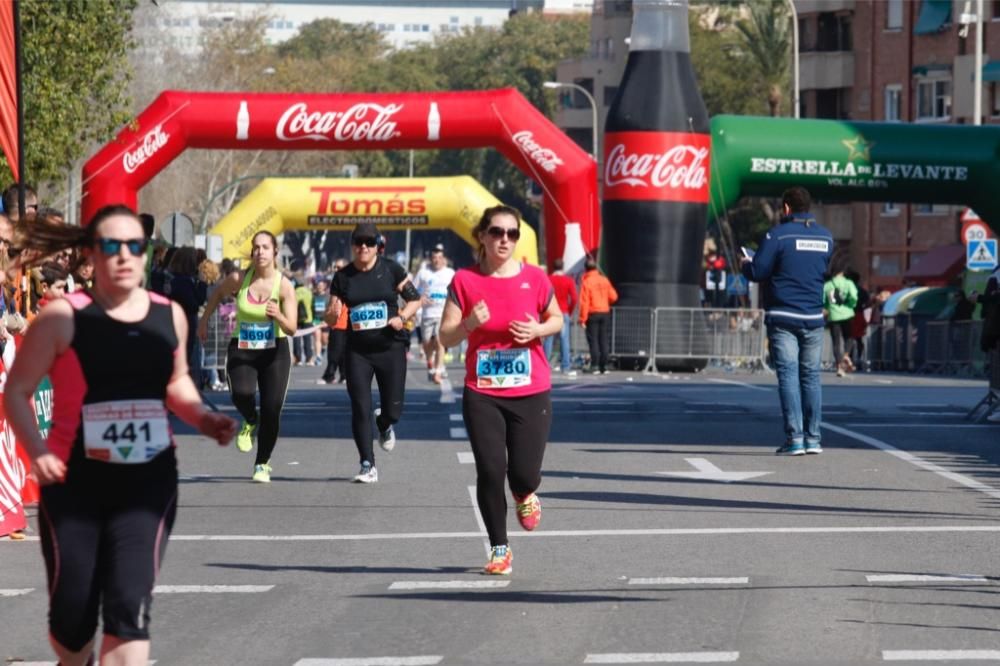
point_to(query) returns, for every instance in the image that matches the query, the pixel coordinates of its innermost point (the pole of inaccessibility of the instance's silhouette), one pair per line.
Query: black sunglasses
(500, 232)
(367, 242)
(109, 247)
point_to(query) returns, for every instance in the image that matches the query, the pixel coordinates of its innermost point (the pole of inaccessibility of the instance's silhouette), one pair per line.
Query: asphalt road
(670, 534)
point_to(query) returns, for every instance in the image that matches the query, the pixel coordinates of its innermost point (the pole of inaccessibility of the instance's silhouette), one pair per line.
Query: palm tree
(765, 36)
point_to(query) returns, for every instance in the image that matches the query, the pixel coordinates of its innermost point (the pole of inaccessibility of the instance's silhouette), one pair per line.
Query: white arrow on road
(709, 472)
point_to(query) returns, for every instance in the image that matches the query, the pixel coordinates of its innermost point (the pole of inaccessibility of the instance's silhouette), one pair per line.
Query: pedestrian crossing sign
(981, 255)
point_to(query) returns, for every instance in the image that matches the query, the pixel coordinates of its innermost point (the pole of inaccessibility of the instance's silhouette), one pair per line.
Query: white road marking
(454, 417)
(711, 411)
(915, 405)
(919, 425)
(52, 663)
(447, 392)
(925, 578)
(662, 658)
(211, 589)
(673, 580)
(940, 655)
(15, 592)
(671, 532)
(466, 457)
(743, 384)
(479, 519)
(373, 661)
(458, 433)
(915, 460)
(709, 472)
(447, 584)
(937, 413)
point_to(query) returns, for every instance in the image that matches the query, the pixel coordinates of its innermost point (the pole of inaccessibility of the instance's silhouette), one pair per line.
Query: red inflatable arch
(503, 119)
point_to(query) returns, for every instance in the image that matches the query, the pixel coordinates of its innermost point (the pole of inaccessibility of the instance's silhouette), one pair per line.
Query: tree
(75, 80)
(324, 38)
(766, 40)
(720, 65)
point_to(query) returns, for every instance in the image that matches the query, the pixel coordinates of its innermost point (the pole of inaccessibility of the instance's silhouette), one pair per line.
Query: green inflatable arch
(839, 161)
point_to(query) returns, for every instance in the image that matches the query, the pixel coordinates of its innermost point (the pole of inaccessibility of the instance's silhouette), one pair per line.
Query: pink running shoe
(529, 511)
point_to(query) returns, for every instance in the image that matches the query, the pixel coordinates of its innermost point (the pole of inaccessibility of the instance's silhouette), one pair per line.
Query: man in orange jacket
(597, 295)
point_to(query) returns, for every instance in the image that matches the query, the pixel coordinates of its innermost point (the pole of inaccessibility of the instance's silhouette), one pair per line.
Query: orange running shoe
(529, 511)
(500, 562)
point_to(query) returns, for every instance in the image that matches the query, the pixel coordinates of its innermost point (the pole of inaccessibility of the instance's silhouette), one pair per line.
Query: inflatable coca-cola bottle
(656, 165)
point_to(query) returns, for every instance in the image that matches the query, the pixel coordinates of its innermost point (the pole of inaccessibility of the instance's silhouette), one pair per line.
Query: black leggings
(268, 369)
(508, 437)
(388, 367)
(840, 332)
(335, 354)
(599, 339)
(103, 535)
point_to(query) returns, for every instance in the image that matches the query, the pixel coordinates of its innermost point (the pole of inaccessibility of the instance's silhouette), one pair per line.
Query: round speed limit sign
(975, 231)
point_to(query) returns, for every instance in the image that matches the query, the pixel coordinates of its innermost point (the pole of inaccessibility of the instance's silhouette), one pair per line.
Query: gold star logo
(859, 148)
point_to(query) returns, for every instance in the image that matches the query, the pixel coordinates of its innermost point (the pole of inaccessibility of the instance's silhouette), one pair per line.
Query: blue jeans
(796, 354)
(564, 359)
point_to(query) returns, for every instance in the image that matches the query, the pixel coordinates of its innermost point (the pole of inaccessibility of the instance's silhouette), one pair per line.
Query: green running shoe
(244, 441)
(262, 473)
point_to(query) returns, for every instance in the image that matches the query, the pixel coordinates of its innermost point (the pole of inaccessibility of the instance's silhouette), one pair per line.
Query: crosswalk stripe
(925, 578)
(448, 584)
(373, 661)
(15, 592)
(940, 655)
(459, 433)
(466, 457)
(675, 580)
(662, 658)
(211, 589)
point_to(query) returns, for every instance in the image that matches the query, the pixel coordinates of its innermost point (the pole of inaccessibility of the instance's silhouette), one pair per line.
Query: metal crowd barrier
(642, 337)
(220, 331)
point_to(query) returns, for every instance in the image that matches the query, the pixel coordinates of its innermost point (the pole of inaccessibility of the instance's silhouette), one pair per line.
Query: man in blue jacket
(790, 265)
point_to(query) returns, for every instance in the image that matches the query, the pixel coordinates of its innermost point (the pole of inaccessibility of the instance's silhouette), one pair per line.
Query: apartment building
(874, 60)
(896, 61)
(598, 73)
(404, 23)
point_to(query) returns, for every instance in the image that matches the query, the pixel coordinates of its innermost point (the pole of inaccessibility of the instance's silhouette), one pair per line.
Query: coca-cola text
(543, 157)
(155, 139)
(361, 122)
(668, 166)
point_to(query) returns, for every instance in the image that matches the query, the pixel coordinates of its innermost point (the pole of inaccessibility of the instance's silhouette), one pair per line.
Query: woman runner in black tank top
(107, 470)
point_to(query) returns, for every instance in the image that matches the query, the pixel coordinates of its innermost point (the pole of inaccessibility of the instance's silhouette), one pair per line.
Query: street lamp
(552, 85)
(795, 58)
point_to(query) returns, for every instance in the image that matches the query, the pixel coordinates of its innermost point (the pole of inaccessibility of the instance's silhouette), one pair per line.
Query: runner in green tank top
(258, 354)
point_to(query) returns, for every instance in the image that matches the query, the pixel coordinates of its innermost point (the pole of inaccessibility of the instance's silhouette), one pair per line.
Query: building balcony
(826, 70)
(815, 6)
(570, 117)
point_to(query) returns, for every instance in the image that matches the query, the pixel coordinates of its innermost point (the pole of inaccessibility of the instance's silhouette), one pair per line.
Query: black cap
(439, 248)
(364, 230)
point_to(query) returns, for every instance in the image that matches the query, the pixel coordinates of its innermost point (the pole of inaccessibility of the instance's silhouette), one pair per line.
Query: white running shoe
(387, 439)
(994, 417)
(368, 474)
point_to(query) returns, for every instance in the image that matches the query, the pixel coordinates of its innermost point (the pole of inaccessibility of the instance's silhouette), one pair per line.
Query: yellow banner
(337, 204)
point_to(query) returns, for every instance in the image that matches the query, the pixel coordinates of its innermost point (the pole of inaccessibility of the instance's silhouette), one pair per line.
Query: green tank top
(249, 316)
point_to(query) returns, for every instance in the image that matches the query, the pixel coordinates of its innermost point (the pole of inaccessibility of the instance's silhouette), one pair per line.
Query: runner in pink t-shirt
(504, 308)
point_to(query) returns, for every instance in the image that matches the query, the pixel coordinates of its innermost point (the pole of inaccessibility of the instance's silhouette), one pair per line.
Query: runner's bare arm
(286, 315)
(183, 398)
(49, 336)
(412, 298)
(230, 284)
(530, 328)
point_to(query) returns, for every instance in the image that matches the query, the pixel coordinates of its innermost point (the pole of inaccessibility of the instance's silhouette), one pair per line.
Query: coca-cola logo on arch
(543, 157)
(364, 121)
(155, 139)
(666, 166)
